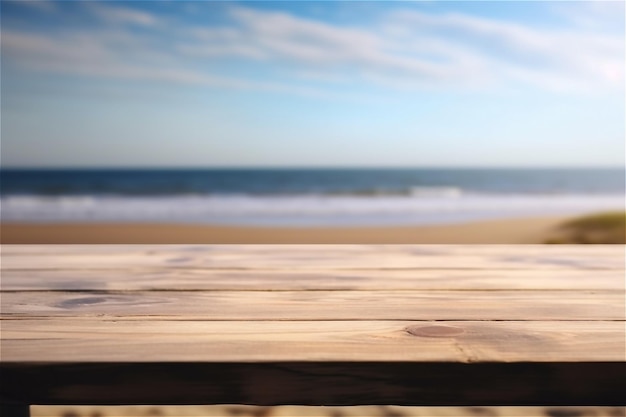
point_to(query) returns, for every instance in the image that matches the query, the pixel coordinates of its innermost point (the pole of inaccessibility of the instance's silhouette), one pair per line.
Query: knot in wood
(434, 331)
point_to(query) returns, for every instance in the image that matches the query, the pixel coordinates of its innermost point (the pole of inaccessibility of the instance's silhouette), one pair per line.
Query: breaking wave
(423, 205)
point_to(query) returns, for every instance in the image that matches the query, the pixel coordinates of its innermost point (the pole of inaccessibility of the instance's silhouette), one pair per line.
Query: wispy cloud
(419, 49)
(115, 14)
(99, 54)
(405, 49)
(596, 15)
(311, 47)
(523, 53)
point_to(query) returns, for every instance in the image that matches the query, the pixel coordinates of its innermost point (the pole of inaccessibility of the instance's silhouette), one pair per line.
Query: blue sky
(375, 83)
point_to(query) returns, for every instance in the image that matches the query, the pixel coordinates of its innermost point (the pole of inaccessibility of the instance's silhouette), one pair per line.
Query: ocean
(304, 197)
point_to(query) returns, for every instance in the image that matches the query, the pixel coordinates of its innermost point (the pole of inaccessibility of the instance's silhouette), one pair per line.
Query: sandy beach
(528, 230)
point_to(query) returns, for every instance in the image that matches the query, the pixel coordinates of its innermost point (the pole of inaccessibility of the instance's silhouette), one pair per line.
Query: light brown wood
(115, 278)
(310, 257)
(319, 305)
(109, 340)
(345, 324)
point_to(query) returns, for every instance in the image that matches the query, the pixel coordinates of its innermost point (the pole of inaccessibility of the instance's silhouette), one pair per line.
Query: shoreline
(509, 231)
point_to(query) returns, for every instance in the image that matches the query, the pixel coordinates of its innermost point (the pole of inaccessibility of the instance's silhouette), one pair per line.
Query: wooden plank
(307, 257)
(320, 305)
(108, 340)
(118, 279)
(345, 324)
(322, 383)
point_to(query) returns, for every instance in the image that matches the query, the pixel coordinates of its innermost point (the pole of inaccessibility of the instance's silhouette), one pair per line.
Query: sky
(308, 84)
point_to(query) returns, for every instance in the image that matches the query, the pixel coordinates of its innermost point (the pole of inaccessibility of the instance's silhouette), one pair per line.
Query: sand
(529, 230)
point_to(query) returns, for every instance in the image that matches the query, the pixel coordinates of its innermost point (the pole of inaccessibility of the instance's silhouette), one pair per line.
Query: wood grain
(313, 324)
(319, 305)
(116, 278)
(307, 257)
(109, 340)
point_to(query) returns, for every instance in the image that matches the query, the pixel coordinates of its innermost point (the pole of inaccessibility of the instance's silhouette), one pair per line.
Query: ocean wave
(447, 192)
(429, 206)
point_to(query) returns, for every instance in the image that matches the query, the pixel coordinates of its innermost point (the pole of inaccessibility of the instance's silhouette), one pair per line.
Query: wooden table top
(313, 324)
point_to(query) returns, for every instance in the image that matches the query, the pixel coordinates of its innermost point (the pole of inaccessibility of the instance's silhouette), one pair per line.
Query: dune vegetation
(601, 228)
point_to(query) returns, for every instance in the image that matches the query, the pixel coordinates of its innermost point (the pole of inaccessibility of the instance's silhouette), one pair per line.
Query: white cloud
(313, 45)
(596, 15)
(421, 49)
(93, 55)
(407, 49)
(122, 15)
(512, 50)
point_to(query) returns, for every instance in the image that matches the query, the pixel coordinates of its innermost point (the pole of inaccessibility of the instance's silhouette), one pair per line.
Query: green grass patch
(601, 228)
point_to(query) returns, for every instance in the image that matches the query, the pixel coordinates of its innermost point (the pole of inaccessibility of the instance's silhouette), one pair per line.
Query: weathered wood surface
(311, 267)
(93, 341)
(312, 257)
(115, 278)
(307, 324)
(318, 305)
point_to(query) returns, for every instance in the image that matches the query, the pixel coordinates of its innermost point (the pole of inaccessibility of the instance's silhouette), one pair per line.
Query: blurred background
(310, 114)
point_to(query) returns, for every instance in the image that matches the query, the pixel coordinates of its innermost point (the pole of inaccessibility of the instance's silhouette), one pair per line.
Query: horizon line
(301, 167)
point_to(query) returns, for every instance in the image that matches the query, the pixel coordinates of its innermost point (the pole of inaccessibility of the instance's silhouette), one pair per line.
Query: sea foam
(422, 206)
